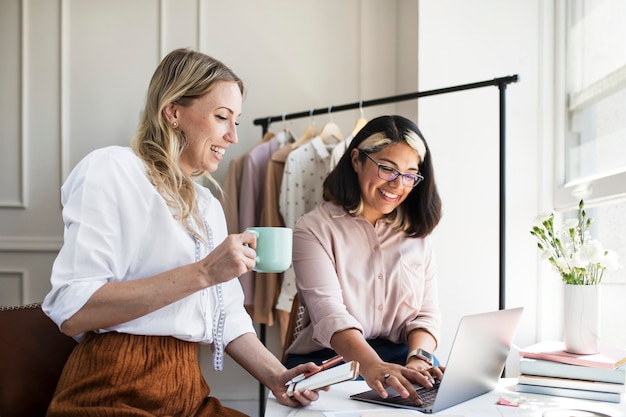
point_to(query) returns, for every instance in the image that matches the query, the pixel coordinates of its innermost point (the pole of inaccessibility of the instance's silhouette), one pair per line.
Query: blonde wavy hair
(180, 77)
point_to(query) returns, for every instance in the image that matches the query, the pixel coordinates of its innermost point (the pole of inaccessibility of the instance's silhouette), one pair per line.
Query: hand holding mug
(273, 248)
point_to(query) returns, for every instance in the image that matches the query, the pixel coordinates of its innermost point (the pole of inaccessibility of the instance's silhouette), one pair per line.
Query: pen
(328, 363)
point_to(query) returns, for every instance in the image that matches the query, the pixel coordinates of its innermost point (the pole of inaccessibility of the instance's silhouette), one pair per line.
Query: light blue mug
(273, 248)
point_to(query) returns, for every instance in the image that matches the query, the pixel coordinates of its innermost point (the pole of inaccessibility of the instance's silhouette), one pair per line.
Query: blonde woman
(147, 270)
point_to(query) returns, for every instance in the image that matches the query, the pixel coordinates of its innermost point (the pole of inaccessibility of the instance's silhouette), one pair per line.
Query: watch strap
(421, 354)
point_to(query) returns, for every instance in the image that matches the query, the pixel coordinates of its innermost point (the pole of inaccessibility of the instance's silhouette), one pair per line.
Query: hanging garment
(338, 152)
(267, 285)
(251, 198)
(301, 190)
(230, 193)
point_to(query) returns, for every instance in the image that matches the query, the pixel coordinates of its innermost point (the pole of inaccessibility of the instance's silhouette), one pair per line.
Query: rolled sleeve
(99, 243)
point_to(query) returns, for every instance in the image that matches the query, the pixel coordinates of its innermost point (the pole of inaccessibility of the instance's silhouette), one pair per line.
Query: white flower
(579, 260)
(592, 251)
(610, 261)
(562, 265)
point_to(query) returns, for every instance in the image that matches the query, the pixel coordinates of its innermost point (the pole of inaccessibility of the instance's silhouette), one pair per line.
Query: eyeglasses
(389, 173)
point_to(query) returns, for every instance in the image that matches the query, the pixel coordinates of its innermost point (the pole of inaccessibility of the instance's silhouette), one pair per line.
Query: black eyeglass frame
(392, 173)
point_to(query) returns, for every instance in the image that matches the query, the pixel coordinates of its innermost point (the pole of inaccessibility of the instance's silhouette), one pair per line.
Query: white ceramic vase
(581, 320)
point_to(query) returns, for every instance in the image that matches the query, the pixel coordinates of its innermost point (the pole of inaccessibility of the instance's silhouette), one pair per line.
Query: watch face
(425, 354)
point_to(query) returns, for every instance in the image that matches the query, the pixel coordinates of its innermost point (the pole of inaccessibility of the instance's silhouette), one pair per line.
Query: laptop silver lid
(479, 352)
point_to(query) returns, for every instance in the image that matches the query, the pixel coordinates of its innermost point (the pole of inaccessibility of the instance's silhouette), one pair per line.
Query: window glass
(596, 33)
(597, 139)
(592, 162)
(596, 84)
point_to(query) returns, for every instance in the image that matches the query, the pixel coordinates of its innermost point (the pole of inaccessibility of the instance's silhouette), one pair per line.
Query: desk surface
(336, 403)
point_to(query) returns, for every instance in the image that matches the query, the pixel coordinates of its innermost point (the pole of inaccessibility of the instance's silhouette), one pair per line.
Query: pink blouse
(351, 274)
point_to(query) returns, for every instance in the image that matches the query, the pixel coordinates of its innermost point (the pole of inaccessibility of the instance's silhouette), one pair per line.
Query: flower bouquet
(581, 262)
(579, 259)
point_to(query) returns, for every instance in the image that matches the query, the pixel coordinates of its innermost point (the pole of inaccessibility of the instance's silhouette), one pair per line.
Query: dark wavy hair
(420, 213)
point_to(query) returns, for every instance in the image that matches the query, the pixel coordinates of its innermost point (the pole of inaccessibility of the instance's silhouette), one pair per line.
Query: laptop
(476, 362)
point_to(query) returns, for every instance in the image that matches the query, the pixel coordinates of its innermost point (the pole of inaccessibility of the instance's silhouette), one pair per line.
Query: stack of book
(546, 368)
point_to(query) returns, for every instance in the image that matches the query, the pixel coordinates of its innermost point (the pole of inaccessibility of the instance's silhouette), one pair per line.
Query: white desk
(336, 403)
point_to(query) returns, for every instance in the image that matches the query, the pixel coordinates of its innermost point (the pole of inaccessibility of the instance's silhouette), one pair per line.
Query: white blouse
(119, 228)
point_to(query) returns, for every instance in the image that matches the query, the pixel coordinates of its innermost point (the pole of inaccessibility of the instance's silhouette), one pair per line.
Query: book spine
(548, 381)
(571, 393)
(562, 370)
(574, 360)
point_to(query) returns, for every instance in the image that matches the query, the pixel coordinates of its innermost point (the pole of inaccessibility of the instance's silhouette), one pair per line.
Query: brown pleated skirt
(117, 374)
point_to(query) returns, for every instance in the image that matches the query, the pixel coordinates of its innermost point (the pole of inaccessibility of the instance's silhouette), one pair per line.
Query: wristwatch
(421, 354)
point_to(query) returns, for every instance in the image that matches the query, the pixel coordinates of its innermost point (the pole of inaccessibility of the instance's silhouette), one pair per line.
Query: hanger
(331, 129)
(309, 133)
(361, 121)
(267, 136)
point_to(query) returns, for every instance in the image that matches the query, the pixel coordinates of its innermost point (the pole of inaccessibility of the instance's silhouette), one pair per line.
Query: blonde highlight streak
(415, 142)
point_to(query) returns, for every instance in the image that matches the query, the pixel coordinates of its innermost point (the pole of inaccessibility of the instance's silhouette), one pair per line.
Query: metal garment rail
(501, 83)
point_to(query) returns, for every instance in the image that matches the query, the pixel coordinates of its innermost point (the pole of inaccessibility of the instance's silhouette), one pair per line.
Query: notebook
(475, 364)
(340, 373)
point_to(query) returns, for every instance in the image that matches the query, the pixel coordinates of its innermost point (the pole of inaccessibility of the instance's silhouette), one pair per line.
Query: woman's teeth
(388, 195)
(220, 151)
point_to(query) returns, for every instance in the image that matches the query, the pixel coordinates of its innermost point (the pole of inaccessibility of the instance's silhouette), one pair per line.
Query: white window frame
(603, 188)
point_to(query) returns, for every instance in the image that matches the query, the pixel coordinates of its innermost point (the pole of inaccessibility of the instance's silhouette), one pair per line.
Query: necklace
(219, 314)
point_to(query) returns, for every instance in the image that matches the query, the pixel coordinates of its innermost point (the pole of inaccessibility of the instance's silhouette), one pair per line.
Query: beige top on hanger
(360, 122)
(309, 133)
(331, 130)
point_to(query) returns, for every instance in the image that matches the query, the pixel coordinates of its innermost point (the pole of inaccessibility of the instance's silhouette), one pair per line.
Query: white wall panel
(12, 286)
(42, 114)
(293, 56)
(11, 155)
(26, 275)
(110, 50)
(35, 115)
(179, 24)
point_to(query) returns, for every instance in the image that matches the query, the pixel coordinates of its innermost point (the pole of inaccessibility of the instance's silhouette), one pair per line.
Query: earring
(175, 124)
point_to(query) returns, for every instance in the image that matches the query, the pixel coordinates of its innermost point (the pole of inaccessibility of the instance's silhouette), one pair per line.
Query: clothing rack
(501, 83)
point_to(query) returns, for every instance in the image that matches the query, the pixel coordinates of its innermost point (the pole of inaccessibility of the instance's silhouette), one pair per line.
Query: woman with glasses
(364, 263)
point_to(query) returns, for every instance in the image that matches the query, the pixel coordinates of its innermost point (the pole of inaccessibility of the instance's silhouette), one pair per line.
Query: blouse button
(379, 276)
(376, 248)
(380, 307)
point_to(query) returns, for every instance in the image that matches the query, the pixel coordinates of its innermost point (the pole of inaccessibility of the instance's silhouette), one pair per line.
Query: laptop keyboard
(427, 395)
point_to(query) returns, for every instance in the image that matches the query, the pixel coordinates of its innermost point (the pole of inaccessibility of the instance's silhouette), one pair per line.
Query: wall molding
(17, 204)
(19, 200)
(20, 274)
(30, 244)
(64, 94)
